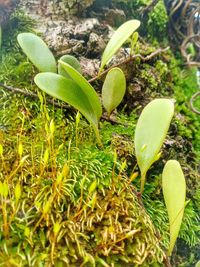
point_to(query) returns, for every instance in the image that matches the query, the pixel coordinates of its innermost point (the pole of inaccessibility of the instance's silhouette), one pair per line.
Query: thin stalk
(143, 179)
(96, 130)
(5, 218)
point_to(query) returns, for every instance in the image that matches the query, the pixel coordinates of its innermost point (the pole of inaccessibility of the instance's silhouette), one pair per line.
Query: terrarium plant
(83, 96)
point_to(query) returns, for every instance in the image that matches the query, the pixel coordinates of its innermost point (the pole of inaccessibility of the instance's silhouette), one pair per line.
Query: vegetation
(64, 201)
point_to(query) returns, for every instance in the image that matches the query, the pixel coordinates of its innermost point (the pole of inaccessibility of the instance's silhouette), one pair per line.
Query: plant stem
(143, 179)
(96, 130)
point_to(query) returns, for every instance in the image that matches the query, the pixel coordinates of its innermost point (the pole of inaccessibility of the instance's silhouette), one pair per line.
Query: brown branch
(191, 21)
(193, 64)
(175, 8)
(112, 121)
(187, 4)
(32, 95)
(192, 101)
(186, 28)
(184, 47)
(129, 59)
(167, 262)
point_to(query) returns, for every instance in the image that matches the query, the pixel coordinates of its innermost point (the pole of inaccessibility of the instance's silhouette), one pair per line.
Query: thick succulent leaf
(113, 90)
(85, 86)
(174, 190)
(150, 132)
(37, 51)
(117, 40)
(68, 91)
(72, 61)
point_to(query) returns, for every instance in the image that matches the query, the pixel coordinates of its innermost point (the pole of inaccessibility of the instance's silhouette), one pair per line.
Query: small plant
(174, 190)
(69, 85)
(150, 132)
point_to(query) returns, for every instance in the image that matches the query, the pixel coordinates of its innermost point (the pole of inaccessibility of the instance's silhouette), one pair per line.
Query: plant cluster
(80, 210)
(77, 91)
(89, 170)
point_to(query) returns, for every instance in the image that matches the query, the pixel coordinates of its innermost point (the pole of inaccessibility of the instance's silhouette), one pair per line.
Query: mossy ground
(64, 201)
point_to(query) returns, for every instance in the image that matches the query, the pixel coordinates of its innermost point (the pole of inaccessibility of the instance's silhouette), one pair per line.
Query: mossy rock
(77, 6)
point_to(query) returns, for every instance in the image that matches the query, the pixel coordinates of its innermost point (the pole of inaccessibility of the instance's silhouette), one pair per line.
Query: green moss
(15, 69)
(157, 22)
(190, 229)
(18, 22)
(153, 24)
(100, 217)
(185, 86)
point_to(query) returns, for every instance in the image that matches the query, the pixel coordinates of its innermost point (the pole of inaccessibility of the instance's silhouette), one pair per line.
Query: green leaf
(72, 61)
(86, 88)
(134, 40)
(150, 132)
(113, 90)
(117, 40)
(174, 191)
(37, 51)
(68, 91)
(197, 264)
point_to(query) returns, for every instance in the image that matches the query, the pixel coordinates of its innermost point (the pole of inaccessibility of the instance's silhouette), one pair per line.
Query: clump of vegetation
(82, 208)
(72, 214)
(72, 191)
(153, 15)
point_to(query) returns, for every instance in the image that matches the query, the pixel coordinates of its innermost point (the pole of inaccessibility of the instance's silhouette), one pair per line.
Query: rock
(57, 35)
(51, 9)
(115, 17)
(75, 47)
(95, 45)
(90, 67)
(66, 34)
(76, 6)
(85, 28)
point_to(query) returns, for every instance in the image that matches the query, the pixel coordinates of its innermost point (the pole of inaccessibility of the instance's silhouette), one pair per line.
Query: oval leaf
(68, 91)
(174, 191)
(85, 86)
(72, 61)
(113, 90)
(150, 132)
(37, 51)
(117, 40)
